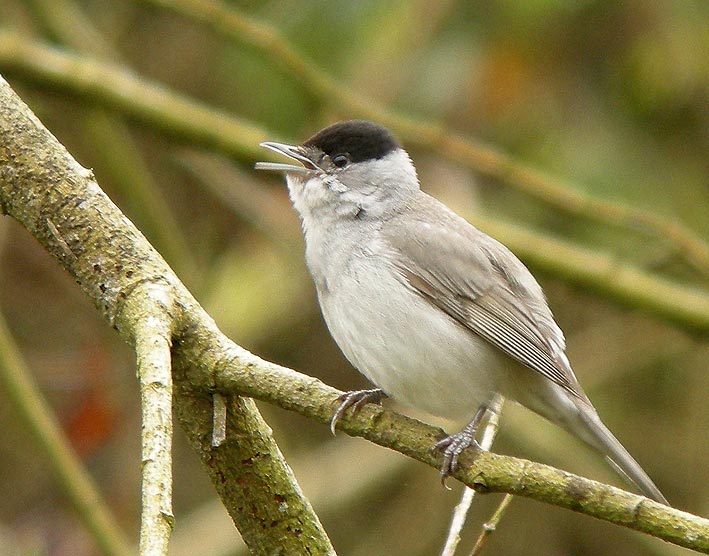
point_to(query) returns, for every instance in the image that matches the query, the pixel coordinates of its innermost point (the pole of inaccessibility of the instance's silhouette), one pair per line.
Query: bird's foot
(355, 399)
(452, 446)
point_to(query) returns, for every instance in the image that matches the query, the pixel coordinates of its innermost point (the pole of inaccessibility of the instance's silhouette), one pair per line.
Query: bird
(434, 312)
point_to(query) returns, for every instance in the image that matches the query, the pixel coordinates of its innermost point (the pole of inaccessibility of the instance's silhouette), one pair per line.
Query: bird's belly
(411, 349)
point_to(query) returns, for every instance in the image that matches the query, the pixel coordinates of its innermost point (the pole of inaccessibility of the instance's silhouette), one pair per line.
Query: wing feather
(482, 285)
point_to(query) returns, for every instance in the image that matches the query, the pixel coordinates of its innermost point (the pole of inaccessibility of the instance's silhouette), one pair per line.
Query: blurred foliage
(608, 96)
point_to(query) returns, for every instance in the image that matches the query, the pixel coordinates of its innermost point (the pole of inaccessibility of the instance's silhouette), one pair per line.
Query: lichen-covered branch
(151, 307)
(239, 371)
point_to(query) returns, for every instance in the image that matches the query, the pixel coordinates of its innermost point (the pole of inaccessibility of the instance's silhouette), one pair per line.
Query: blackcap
(437, 314)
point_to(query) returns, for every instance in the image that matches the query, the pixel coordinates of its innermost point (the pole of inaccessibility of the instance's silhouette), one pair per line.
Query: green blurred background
(609, 98)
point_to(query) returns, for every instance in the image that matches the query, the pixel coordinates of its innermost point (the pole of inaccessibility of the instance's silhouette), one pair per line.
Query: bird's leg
(355, 399)
(452, 446)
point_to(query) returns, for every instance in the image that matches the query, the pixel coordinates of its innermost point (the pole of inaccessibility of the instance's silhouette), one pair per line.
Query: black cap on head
(359, 139)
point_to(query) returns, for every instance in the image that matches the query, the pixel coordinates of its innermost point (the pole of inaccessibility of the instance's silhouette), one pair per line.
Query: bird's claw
(355, 399)
(451, 447)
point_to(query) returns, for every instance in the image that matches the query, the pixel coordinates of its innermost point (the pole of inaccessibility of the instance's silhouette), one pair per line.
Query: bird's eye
(340, 160)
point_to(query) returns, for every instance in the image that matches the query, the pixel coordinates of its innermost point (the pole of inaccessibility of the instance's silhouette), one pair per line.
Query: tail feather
(597, 435)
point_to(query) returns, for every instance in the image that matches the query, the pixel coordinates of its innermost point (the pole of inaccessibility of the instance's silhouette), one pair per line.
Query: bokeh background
(608, 98)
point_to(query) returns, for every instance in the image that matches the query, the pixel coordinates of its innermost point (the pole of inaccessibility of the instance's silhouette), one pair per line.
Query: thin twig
(460, 514)
(218, 420)
(490, 526)
(461, 510)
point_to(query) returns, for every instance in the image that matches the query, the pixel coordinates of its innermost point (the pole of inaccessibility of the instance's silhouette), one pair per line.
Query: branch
(152, 341)
(255, 483)
(203, 531)
(229, 22)
(242, 372)
(113, 263)
(109, 259)
(115, 88)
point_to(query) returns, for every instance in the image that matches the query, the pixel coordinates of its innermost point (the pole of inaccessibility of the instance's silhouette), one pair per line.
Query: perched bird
(437, 314)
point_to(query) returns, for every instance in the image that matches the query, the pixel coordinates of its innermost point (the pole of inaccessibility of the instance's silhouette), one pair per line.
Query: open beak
(290, 151)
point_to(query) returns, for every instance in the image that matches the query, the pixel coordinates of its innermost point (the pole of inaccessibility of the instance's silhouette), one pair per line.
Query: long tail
(591, 429)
